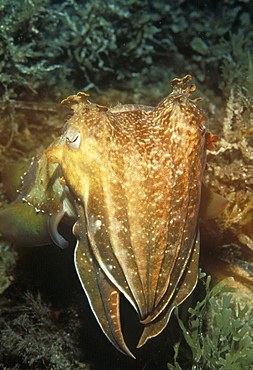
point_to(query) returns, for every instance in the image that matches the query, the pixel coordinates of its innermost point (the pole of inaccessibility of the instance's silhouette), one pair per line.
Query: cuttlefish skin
(135, 175)
(128, 179)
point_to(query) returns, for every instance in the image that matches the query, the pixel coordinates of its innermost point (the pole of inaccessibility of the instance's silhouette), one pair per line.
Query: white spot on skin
(94, 224)
(98, 223)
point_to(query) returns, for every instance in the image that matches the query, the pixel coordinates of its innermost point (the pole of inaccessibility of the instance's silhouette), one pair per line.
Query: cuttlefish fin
(29, 227)
(102, 295)
(183, 290)
(20, 224)
(12, 177)
(212, 204)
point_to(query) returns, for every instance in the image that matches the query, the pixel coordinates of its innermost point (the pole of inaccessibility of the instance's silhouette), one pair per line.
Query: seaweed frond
(218, 334)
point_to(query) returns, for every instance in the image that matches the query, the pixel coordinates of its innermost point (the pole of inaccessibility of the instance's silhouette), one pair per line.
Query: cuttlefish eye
(73, 138)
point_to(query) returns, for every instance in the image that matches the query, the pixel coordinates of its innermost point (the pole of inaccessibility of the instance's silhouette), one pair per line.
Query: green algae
(218, 333)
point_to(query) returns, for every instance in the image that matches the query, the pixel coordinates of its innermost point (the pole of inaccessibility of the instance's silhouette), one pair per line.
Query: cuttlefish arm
(102, 295)
(184, 289)
(211, 205)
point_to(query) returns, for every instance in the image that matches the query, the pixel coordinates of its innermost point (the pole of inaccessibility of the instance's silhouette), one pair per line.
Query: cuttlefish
(129, 179)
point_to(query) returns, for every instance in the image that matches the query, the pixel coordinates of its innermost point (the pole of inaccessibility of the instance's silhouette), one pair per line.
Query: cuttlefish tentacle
(102, 295)
(53, 223)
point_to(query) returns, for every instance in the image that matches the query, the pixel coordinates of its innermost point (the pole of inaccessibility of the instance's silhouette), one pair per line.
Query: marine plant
(218, 333)
(8, 258)
(230, 170)
(96, 43)
(33, 337)
(45, 43)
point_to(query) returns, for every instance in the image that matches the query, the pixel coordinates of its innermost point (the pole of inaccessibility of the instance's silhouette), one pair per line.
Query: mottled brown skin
(135, 176)
(129, 179)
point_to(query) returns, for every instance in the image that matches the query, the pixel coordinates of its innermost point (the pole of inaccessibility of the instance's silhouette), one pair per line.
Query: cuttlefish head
(135, 176)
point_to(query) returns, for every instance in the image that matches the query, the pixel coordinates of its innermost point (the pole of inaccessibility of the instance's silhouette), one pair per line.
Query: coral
(218, 334)
(31, 336)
